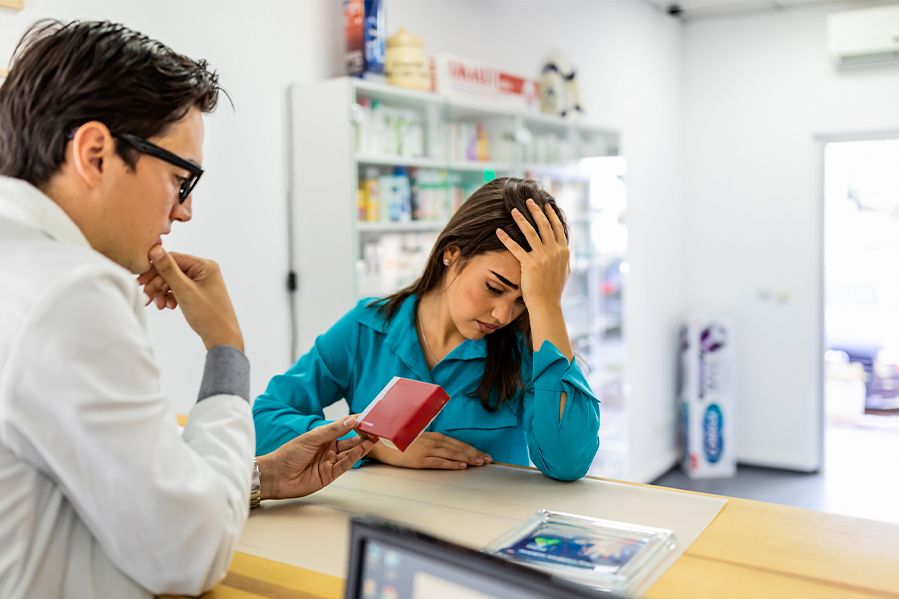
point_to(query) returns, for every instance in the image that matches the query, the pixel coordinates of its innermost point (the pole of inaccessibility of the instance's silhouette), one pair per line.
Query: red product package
(353, 27)
(401, 411)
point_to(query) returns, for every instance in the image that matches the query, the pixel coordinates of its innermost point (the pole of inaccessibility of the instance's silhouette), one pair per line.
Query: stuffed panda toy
(559, 92)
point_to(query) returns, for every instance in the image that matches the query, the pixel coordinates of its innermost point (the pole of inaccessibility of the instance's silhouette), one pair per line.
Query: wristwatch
(255, 487)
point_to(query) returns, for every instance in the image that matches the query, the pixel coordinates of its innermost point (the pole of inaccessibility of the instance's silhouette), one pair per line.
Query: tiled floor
(860, 477)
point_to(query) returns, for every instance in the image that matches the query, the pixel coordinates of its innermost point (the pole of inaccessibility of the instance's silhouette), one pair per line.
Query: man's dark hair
(66, 74)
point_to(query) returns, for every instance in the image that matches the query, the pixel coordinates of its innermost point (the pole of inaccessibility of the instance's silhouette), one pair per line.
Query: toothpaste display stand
(706, 397)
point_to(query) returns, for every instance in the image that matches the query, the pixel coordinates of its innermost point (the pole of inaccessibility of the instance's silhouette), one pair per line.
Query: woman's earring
(446, 262)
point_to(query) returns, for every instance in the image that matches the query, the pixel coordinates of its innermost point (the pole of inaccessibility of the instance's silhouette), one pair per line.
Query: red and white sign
(462, 77)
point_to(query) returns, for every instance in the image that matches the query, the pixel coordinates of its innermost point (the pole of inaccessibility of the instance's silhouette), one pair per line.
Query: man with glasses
(101, 136)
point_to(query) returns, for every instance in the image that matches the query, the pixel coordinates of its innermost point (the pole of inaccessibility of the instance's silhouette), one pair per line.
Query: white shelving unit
(400, 226)
(345, 247)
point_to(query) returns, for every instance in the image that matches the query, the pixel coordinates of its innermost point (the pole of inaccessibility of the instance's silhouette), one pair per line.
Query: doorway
(861, 291)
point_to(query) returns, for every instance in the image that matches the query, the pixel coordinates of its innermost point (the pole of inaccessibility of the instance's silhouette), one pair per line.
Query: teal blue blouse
(363, 351)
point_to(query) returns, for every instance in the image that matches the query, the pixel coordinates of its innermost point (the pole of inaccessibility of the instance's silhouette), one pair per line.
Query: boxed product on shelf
(406, 64)
(434, 195)
(463, 77)
(595, 145)
(390, 261)
(469, 142)
(396, 205)
(435, 133)
(382, 130)
(368, 197)
(550, 148)
(354, 37)
(504, 140)
(375, 34)
(413, 194)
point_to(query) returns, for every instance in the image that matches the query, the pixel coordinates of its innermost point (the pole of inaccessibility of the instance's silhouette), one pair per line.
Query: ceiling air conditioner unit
(864, 36)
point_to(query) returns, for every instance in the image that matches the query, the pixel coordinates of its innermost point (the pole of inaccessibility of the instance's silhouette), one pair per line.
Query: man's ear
(90, 150)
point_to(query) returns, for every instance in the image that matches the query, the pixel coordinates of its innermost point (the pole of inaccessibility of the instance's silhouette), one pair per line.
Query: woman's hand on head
(545, 269)
(432, 450)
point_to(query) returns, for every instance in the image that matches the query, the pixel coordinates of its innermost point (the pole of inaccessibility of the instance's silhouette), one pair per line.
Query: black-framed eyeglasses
(150, 149)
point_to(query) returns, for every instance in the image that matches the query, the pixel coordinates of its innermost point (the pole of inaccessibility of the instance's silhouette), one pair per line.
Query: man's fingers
(146, 276)
(185, 261)
(366, 443)
(368, 436)
(345, 462)
(329, 432)
(168, 269)
(346, 459)
(347, 444)
(355, 454)
(152, 287)
(195, 268)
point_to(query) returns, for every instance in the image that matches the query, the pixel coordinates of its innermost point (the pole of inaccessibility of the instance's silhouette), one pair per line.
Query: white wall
(759, 89)
(628, 56)
(240, 205)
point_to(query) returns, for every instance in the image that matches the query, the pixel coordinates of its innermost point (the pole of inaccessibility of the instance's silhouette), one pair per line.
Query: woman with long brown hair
(484, 321)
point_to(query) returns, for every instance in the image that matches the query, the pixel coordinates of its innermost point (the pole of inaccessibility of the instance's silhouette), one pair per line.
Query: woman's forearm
(548, 324)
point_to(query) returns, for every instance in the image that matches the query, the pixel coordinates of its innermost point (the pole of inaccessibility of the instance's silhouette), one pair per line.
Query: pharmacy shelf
(586, 265)
(589, 331)
(460, 109)
(563, 172)
(433, 163)
(549, 121)
(574, 302)
(599, 328)
(497, 167)
(395, 95)
(414, 226)
(369, 160)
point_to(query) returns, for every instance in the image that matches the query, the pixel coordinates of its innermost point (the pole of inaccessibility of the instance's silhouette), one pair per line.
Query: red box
(353, 17)
(401, 411)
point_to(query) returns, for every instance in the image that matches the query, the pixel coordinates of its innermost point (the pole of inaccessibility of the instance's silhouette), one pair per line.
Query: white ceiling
(693, 9)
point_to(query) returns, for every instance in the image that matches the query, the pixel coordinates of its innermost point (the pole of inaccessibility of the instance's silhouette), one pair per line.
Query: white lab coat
(101, 495)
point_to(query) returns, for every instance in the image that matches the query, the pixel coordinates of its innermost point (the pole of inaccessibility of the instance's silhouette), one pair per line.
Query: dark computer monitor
(388, 561)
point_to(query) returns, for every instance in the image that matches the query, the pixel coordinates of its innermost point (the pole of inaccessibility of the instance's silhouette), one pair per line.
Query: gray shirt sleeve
(227, 372)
